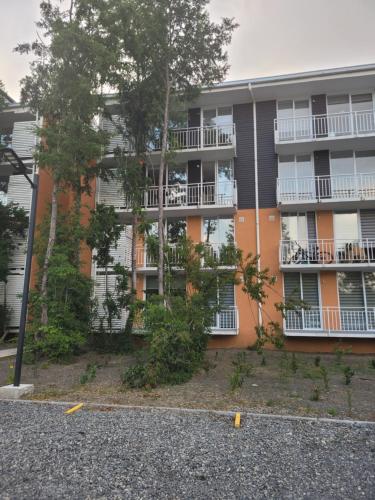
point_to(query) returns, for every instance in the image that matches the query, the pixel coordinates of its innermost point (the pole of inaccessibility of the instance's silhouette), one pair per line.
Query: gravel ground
(142, 453)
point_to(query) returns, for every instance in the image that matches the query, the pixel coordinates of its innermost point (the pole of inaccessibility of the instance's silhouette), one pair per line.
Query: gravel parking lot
(107, 452)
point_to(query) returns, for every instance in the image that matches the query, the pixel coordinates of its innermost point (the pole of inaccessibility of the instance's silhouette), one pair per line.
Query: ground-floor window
(305, 287)
(357, 300)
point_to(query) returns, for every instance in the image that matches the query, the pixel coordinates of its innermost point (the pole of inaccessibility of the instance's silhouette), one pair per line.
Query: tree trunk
(134, 252)
(77, 224)
(164, 146)
(47, 258)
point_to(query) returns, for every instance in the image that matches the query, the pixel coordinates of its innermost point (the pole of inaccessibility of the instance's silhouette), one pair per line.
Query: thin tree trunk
(161, 179)
(47, 258)
(77, 224)
(134, 253)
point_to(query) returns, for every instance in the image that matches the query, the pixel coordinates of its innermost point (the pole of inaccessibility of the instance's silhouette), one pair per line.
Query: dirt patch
(282, 386)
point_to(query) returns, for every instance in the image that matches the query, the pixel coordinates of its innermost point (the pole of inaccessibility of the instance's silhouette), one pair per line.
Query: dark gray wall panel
(318, 104)
(244, 171)
(267, 159)
(321, 162)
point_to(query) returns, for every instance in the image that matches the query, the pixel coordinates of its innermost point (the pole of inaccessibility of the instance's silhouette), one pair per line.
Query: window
(302, 286)
(350, 113)
(344, 165)
(218, 231)
(176, 229)
(293, 119)
(152, 287)
(219, 117)
(296, 174)
(177, 174)
(338, 104)
(226, 317)
(357, 300)
(361, 102)
(346, 228)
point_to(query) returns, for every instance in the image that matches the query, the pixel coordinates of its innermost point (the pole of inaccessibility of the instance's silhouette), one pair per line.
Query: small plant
(372, 364)
(324, 373)
(349, 401)
(315, 395)
(332, 412)
(348, 374)
(263, 362)
(293, 363)
(340, 352)
(89, 374)
(270, 402)
(317, 360)
(242, 369)
(10, 374)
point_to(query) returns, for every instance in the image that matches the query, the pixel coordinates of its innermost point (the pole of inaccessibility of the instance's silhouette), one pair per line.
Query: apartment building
(284, 167)
(17, 131)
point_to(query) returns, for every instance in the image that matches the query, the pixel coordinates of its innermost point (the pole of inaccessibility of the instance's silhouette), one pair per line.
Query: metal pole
(26, 283)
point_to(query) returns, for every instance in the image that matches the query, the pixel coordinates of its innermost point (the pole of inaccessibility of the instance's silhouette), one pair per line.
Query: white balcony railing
(331, 319)
(226, 319)
(306, 128)
(180, 139)
(325, 251)
(222, 194)
(326, 188)
(148, 259)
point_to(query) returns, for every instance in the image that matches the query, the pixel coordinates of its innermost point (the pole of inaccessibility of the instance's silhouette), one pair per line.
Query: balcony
(179, 200)
(326, 192)
(302, 255)
(225, 322)
(212, 143)
(330, 322)
(147, 262)
(334, 131)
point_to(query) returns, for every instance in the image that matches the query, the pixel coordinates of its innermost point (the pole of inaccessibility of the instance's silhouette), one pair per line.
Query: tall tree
(63, 87)
(188, 52)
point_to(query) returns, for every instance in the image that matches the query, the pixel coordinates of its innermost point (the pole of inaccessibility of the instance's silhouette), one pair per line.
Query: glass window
(285, 109)
(365, 162)
(362, 102)
(294, 227)
(208, 171)
(176, 229)
(338, 104)
(287, 166)
(342, 163)
(345, 227)
(152, 287)
(218, 231)
(177, 174)
(209, 117)
(301, 108)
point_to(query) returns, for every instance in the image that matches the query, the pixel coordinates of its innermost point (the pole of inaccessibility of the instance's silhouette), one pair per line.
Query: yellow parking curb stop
(73, 409)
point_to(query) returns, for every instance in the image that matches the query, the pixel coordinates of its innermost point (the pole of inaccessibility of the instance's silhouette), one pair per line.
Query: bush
(56, 343)
(348, 374)
(177, 338)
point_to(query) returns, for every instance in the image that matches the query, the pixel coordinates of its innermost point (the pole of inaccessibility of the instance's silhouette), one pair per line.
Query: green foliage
(68, 298)
(56, 343)
(89, 374)
(340, 352)
(348, 374)
(372, 364)
(324, 373)
(315, 394)
(332, 412)
(294, 364)
(2, 97)
(242, 370)
(317, 360)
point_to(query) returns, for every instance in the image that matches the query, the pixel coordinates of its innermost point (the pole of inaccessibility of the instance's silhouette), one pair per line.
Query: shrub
(315, 395)
(348, 374)
(242, 369)
(324, 373)
(89, 374)
(317, 360)
(56, 343)
(177, 337)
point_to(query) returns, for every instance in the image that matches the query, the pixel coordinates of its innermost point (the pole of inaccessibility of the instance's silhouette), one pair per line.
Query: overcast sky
(274, 37)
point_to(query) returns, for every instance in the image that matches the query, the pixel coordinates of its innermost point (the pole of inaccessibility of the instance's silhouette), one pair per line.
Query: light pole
(11, 164)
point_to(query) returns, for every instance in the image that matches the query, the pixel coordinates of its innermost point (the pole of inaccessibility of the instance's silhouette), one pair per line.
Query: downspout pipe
(257, 229)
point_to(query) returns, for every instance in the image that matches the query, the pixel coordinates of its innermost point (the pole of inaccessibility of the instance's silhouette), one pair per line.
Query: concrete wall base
(13, 392)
